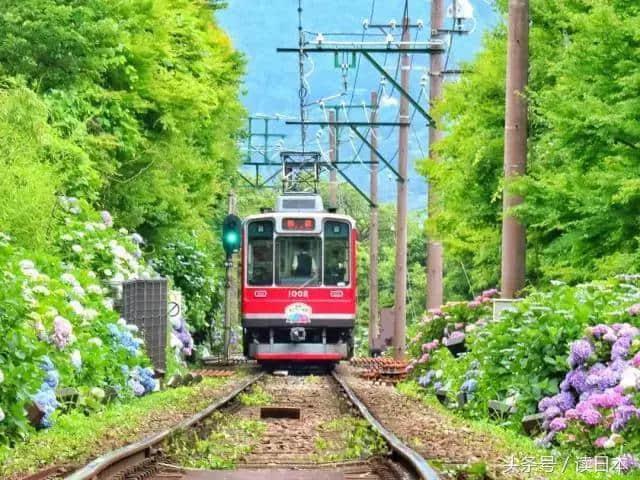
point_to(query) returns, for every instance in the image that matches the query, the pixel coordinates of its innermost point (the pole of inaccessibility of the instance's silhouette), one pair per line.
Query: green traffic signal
(231, 234)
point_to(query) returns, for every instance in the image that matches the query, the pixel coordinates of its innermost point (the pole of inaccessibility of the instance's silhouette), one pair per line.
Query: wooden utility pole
(515, 146)
(333, 180)
(434, 247)
(373, 228)
(399, 340)
(231, 287)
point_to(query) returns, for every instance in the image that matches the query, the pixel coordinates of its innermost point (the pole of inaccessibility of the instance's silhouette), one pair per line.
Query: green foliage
(232, 438)
(66, 286)
(78, 438)
(129, 105)
(581, 192)
(523, 356)
(255, 398)
(356, 440)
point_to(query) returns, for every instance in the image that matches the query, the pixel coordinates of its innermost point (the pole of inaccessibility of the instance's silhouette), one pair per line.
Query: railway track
(304, 421)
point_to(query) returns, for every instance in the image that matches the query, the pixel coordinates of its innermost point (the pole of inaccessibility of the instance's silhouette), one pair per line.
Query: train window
(298, 261)
(336, 253)
(260, 253)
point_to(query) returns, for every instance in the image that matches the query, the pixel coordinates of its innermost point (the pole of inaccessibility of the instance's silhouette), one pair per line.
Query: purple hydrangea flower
(107, 219)
(599, 331)
(622, 416)
(620, 348)
(610, 337)
(545, 403)
(558, 424)
(634, 309)
(578, 380)
(572, 414)
(581, 351)
(588, 414)
(608, 399)
(61, 332)
(564, 401)
(552, 412)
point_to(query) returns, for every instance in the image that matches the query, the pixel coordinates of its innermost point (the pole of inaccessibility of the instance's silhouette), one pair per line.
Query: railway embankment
(76, 438)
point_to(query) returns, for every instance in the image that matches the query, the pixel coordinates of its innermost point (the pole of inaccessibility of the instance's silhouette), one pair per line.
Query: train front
(299, 286)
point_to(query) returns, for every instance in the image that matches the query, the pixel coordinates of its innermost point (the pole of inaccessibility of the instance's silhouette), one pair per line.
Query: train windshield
(336, 253)
(260, 253)
(298, 261)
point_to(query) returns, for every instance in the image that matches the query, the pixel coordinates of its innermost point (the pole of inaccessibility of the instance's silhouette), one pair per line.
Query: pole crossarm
(348, 124)
(402, 91)
(378, 154)
(389, 48)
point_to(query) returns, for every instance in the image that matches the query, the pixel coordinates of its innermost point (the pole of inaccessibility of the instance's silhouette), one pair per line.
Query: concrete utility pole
(231, 291)
(436, 76)
(515, 146)
(373, 229)
(399, 340)
(333, 178)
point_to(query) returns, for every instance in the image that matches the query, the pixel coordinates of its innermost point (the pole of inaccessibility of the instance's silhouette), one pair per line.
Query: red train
(299, 283)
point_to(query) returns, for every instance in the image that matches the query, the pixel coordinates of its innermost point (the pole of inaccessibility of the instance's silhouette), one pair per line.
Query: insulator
(423, 80)
(420, 23)
(393, 23)
(319, 38)
(365, 23)
(389, 38)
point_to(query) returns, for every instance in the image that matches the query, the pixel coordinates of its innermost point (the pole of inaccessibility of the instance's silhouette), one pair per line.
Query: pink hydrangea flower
(600, 441)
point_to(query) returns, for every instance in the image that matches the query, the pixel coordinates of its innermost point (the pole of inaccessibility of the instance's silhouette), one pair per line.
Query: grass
(75, 438)
(517, 446)
(256, 397)
(348, 438)
(233, 438)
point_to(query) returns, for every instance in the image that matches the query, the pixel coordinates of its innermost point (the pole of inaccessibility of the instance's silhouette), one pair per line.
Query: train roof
(302, 214)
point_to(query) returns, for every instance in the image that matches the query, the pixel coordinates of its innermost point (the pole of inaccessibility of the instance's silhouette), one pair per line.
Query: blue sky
(258, 27)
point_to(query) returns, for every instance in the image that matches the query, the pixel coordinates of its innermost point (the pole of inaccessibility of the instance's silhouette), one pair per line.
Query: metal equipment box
(144, 304)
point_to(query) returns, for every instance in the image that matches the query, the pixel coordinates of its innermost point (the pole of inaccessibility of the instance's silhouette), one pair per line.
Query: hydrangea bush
(451, 322)
(523, 357)
(58, 323)
(597, 406)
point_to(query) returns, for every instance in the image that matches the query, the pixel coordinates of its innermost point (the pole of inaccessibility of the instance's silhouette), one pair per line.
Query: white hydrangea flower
(76, 359)
(132, 328)
(66, 237)
(28, 268)
(108, 303)
(78, 290)
(89, 227)
(95, 341)
(79, 234)
(90, 313)
(108, 273)
(137, 238)
(95, 289)
(630, 379)
(76, 248)
(51, 312)
(1, 376)
(69, 279)
(77, 307)
(1, 415)
(42, 290)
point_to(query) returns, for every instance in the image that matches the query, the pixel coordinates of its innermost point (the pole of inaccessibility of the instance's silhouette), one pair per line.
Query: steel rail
(413, 458)
(93, 469)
